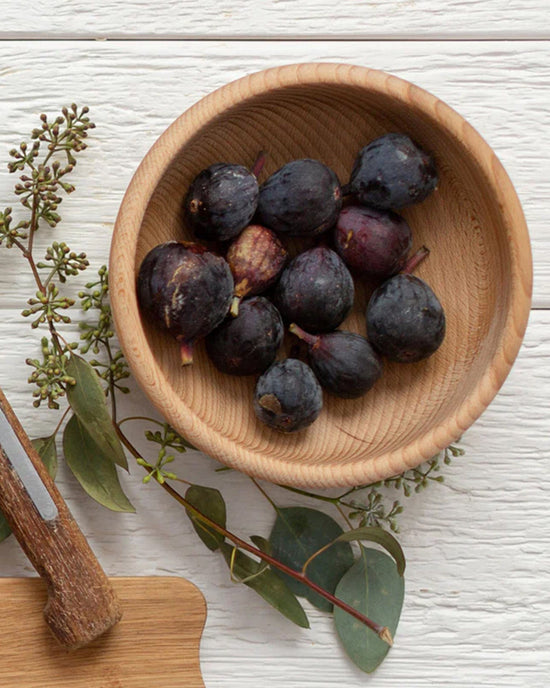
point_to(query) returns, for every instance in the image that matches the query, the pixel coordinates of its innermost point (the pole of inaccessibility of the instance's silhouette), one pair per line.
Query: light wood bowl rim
(142, 360)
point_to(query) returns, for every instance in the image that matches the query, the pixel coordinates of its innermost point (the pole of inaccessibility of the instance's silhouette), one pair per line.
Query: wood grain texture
(480, 267)
(135, 90)
(157, 643)
(82, 604)
(276, 18)
(478, 548)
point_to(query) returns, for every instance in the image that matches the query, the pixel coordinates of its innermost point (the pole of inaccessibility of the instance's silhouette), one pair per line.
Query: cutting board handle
(81, 601)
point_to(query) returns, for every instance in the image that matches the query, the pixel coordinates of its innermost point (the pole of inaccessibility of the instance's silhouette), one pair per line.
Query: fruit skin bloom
(373, 242)
(344, 362)
(221, 201)
(288, 396)
(315, 290)
(248, 343)
(405, 320)
(184, 289)
(303, 198)
(392, 172)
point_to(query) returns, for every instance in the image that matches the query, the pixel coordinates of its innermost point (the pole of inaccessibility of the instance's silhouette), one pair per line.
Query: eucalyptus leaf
(93, 469)
(267, 584)
(381, 537)
(88, 402)
(5, 530)
(262, 544)
(45, 446)
(211, 503)
(374, 587)
(300, 532)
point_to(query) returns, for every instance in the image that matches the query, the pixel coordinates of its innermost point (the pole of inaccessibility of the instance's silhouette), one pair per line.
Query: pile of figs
(238, 288)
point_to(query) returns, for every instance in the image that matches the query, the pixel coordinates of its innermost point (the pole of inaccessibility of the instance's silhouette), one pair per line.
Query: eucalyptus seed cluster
(42, 179)
(372, 509)
(46, 305)
(64, 261)
(167, 438)
(49, 375)
(96, 336)
(10, 236)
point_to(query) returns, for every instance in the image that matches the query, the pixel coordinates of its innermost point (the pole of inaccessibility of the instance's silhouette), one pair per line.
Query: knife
(81, 602)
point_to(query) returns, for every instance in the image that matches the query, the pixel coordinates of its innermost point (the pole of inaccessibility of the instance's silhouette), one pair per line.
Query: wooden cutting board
(156, 644)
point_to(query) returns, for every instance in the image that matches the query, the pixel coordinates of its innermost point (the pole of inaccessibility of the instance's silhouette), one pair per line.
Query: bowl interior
(468, 268)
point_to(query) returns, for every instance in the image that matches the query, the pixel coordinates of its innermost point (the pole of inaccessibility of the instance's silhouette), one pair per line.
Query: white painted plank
(477, 605)
(478, 548)
(136, 89)
(276, 18)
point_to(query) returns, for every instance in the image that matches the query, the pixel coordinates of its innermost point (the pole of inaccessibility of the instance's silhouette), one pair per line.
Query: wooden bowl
(480, 267)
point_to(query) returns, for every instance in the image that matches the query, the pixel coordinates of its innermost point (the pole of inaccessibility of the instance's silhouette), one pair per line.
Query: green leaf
(93, 469)
(88, 402)
(297, 534)
(211, 503)
(267, 584)
(261, 543)
(381, 537)
(5, 530)
(374, 587)
(45, 446)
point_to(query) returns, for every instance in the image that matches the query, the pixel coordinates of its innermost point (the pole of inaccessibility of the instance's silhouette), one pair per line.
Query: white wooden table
(477, 608)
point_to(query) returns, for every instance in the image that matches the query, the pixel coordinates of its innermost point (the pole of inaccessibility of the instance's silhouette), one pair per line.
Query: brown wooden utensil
(81, 602)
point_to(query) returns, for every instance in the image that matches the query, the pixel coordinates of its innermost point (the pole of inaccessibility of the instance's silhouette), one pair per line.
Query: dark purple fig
(405, 320)
(288, 396)
(247, 344)
(303, 198)
(221, 201)
(315, 290)
(185, 289)
(392, 172)
(344, 362)
(374, 242)
(256, 259)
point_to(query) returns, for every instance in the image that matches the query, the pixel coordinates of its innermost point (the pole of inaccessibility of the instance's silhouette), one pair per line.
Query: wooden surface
(477, 608)
(479, 266)
(157, 642)
(81, 602)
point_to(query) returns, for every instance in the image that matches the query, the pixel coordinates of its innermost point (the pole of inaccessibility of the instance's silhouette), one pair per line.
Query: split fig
(185, 289)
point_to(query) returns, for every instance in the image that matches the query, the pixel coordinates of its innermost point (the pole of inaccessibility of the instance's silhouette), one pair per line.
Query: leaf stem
(382, 631)
(264, 493)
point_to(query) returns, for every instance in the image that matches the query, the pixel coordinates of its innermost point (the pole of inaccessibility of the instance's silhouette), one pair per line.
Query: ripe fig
(247, 344)
(315, 290)
(405, 320)
(374, 242)
(288, 396)
(392, 172)
(185, 289)
(344, 362)
(303, 198)
(256, 258)
(221, 201)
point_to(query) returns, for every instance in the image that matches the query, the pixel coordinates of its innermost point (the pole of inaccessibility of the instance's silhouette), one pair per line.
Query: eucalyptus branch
(382, 631)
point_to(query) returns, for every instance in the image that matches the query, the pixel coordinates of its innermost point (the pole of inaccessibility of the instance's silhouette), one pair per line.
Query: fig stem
(234, 310)
(309, 339)
(414, 261)
(186, 353)
(259, 163)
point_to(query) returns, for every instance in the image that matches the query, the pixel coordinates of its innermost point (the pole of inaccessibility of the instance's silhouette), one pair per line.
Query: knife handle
(81, 602)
